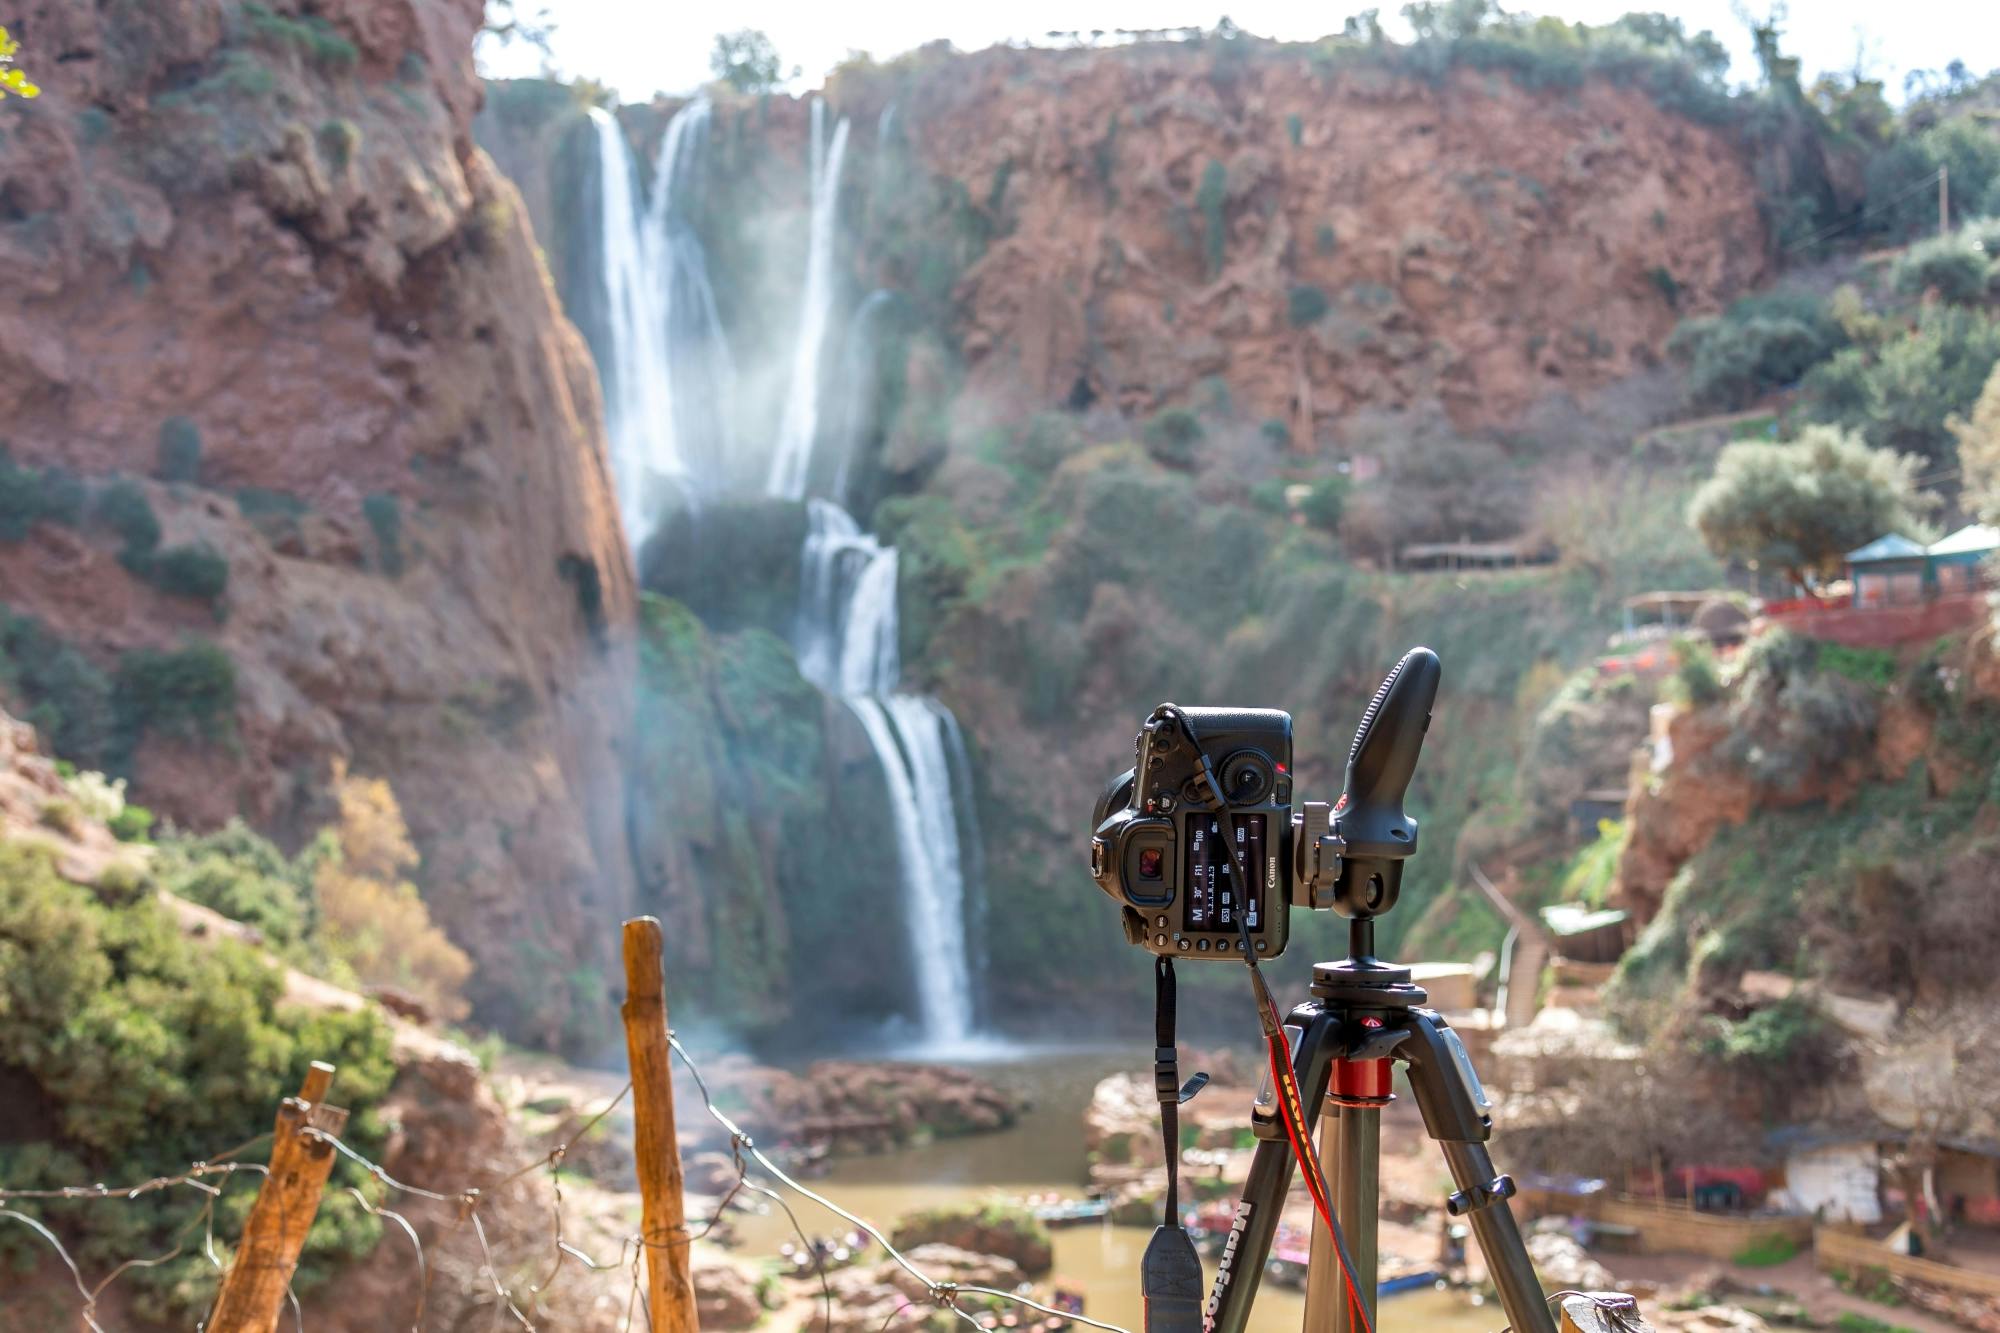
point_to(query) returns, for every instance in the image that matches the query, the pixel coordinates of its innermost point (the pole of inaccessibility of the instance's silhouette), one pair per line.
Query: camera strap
(1170, 1275)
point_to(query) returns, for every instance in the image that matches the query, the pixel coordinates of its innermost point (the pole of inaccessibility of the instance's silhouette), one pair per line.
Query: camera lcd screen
(1211, 900)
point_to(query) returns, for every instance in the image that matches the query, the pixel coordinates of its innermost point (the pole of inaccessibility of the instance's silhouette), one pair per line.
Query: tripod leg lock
(1497, 1190)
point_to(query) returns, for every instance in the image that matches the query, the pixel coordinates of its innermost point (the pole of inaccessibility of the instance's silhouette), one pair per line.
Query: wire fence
(521, 1303)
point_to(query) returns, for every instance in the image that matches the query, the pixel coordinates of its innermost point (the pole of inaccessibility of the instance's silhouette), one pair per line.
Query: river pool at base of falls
(1043, 1153)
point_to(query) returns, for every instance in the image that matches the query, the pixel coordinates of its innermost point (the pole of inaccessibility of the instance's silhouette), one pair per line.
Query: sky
(640, 47)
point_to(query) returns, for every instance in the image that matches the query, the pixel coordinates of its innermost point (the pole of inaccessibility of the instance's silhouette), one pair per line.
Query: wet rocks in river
(986, 1229)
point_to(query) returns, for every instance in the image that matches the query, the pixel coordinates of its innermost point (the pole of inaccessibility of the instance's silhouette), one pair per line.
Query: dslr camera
(1210, 790)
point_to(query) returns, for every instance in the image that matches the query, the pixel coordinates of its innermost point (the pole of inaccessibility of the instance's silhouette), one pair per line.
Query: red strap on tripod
(1292, 1113)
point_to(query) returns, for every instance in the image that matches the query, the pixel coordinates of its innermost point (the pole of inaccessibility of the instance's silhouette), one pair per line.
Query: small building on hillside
(1889, 571)
(1893, 570)
(1834, 1174)
(1955, 560)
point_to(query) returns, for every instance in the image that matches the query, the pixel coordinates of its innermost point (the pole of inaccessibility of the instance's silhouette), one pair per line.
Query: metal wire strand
(943, 1293)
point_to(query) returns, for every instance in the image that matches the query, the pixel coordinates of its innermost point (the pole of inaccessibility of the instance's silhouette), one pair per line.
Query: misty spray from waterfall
(668, 383)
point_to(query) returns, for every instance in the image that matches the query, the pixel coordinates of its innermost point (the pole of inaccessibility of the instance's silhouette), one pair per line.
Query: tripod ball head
(1374, 834)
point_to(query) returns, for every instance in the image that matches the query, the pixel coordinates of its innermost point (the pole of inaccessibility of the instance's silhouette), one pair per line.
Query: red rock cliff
(274, 225)
(1323, 239)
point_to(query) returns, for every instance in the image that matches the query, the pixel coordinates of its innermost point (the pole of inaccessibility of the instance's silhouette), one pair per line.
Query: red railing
(1878, 626)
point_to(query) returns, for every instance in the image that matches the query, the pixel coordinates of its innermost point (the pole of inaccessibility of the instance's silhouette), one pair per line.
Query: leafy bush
(1277, 432)
(63, 694)
(311, 36)
(133, 823)
(1305, 304)
(1173, 436)
(28, 495)
(1760, 343)
(1956, 267)
(242, 875)
(1696, 682)
(1903, 393)
(123, 507)
(1325, 501)
(187, 692)
(196, 571)
(179, 450)
(151, 1051)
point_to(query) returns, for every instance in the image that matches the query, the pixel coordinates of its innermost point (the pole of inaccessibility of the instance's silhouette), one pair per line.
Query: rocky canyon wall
(258, 272)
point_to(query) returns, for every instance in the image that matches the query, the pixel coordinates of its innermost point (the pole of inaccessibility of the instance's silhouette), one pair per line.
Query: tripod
(1337, 1048)
(1364, 1015)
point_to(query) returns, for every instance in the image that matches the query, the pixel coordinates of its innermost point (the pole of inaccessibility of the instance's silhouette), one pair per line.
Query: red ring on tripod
(1360, 1083)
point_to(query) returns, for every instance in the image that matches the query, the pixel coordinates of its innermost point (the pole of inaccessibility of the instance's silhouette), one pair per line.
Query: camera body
(1158, 842)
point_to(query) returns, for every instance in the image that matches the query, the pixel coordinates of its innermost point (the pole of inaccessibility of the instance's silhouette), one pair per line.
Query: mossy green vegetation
(731, 744)
(146, 1051)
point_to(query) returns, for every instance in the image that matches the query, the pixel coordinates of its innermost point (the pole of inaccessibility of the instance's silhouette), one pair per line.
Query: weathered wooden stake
(253, 1291)
(669, 1286)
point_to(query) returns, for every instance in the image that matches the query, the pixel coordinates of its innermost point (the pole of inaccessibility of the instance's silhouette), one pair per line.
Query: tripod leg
(1454, 1107)
(1255, 1224)
(1350, 1148)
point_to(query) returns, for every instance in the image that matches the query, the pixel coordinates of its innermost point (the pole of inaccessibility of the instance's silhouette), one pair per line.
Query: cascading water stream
(668, 375)
(847, 646)
(668, 379)
(798, 429)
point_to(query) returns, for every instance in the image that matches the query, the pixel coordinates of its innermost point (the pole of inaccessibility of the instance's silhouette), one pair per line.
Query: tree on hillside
(1800, 506)
(370, 915)
(746, 60)
(1979, 450)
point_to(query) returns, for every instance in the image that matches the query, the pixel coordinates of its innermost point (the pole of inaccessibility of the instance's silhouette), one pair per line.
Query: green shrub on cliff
(311, 36)
(147, 1050)
(196, 570)
(1762, 342)
(1957, 268)
(1902, 392)
(186, 692)
(179, 453)
(56, 689)
(1173, 436)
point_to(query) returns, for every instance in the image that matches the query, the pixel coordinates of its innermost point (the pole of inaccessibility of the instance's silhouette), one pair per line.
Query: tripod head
(1350, 855)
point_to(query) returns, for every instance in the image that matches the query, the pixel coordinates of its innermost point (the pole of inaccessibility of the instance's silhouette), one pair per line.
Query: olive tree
(1800, 506)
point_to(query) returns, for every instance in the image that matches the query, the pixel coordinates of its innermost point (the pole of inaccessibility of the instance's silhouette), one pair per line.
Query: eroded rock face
(272, 226)
(1323, 240)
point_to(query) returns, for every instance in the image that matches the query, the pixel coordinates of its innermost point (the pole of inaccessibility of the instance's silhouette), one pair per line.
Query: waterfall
(855, 388)
(668, 375)
(791, 462)
(846, 638)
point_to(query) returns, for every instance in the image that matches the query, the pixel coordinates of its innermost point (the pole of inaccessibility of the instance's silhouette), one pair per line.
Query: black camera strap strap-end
(1170, 1275)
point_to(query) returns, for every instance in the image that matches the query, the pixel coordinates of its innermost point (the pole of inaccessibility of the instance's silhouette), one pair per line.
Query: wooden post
(669, 1287)
(253, 1291)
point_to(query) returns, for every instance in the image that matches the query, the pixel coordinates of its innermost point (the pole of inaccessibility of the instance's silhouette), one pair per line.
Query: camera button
(1202, 945)
(1159, 941)
(1184, 943)
(1261, 946)
(1161, 921)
